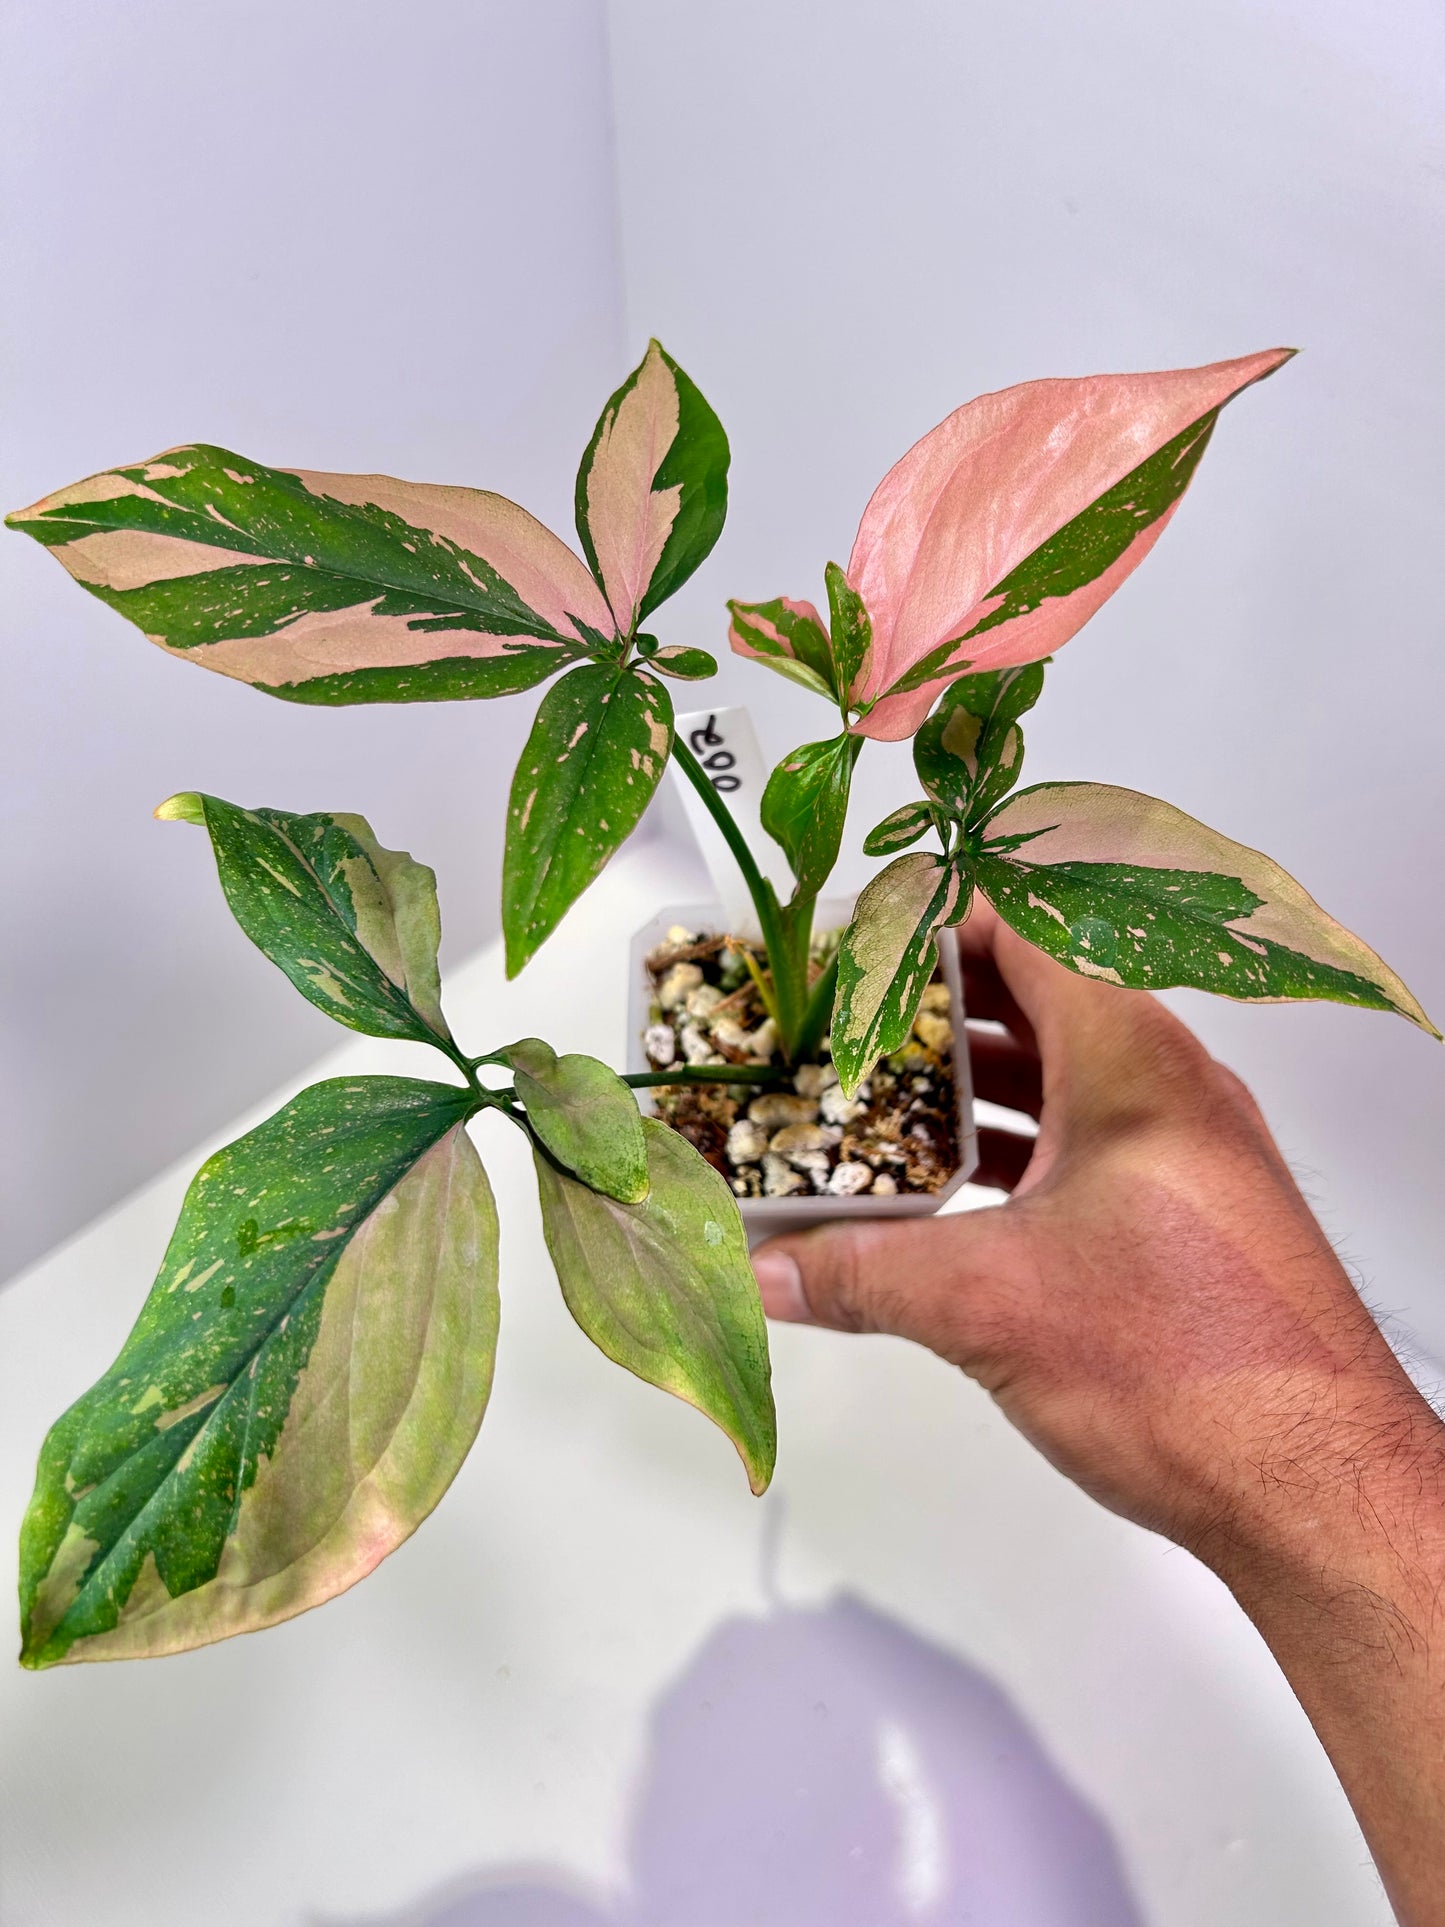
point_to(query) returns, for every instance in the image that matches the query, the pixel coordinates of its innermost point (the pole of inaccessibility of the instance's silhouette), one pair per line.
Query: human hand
(1156, 1308)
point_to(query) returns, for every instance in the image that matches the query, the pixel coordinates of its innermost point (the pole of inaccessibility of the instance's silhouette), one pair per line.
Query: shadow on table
(828, 1768)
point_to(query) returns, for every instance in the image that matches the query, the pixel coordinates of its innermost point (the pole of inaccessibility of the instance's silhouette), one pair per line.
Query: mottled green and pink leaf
(1127, 889)
(664, 1288)
(303, 1383)
(354, 926)
(597, 750)
(886, 959)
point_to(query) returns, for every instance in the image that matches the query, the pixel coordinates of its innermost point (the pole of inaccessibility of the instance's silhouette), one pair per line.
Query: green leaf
(886, 960)
(306, 1377)
(805, 804)
(1125, 888)
(652, 489)
(326, 588)
(852, 632)
(789, 637)
(688, 665)
(665, 1289)
(583, 1113)
(970, 752)
(355, 927)
(596, 753)
(897, 831)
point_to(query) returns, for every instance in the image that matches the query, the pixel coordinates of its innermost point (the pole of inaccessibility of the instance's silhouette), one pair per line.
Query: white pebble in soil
(697, 1046)
(838, 1109)
(775, 1108)
(703, 1001)
(848, 1179)
(811, 1080)
(935, 1032)
(746, 1141)
(780, 1180)
(672, 991)
(803, 1144)
(660, 1043)
(885, 1186)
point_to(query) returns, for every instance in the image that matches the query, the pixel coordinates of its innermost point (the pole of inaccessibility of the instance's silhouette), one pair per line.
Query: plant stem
(789, 991)
(818, 1013)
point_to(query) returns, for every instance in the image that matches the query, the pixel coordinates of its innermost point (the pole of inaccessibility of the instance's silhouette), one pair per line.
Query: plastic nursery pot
(767, 1217)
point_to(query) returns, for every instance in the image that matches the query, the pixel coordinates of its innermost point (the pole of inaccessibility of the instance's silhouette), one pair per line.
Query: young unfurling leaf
(665, 1289)
(652, 489)
(886, 959)
(596, 753)
(805, 805)
(897, 831)
(789, 637)
(354, 926)
(970, 752)
(584, 1114)
(851, 632)
(1125, 888)
(300, 1389)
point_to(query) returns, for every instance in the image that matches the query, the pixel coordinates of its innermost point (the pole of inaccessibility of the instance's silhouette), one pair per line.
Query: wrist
(1343, 1522)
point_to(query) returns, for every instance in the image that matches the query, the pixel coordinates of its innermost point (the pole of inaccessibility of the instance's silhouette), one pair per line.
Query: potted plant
(314, 1359)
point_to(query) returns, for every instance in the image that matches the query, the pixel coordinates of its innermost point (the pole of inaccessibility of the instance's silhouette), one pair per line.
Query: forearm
(1346, 1583)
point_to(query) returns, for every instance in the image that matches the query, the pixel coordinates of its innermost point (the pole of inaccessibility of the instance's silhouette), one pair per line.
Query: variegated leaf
(850, 632)
(584, 1115)
(970, 752)
(303, 1383)
(355, 927)
(326, 588)
(595, 755)
(998, 535)
(1125, 888)
(904, 826)
(886, 960)
(665, 1289)
(789, 637)
(652, 489)
(688, 665)
(805, 805)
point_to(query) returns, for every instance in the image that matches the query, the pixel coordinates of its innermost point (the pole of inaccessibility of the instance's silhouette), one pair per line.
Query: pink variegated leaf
(652, 488)
(789, 637)
(998, 535)
(326, 588)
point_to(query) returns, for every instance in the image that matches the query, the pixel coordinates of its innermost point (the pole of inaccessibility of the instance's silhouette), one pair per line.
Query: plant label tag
(725, 743)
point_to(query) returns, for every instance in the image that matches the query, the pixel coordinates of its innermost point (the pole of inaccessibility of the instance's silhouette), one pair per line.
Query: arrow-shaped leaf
(304, 1381)
(652, 490)
(886, 960)
(584, 1115)
(805, 805)
(326, 588)
(595, 755)
(665, 1289)
(1125, 888)
(355, 927)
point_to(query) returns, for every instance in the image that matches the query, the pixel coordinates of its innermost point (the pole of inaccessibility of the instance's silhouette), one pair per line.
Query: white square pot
(767, 1217)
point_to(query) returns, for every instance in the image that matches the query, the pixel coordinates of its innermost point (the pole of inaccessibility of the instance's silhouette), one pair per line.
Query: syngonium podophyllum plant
(314, 1359)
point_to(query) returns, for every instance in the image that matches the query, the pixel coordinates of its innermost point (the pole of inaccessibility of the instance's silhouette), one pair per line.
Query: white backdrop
(847, 219)
(359, 237)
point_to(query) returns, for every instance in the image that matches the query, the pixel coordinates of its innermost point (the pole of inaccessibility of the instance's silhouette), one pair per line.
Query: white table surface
(923, 1681)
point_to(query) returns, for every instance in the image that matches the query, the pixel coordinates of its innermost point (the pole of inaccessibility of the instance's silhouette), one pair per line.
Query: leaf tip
(186, 806)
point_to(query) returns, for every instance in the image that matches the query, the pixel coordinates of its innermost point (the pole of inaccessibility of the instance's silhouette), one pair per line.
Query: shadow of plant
(829, 1768)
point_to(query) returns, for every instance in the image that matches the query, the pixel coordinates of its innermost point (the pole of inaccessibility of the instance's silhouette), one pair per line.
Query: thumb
(944, 1282)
